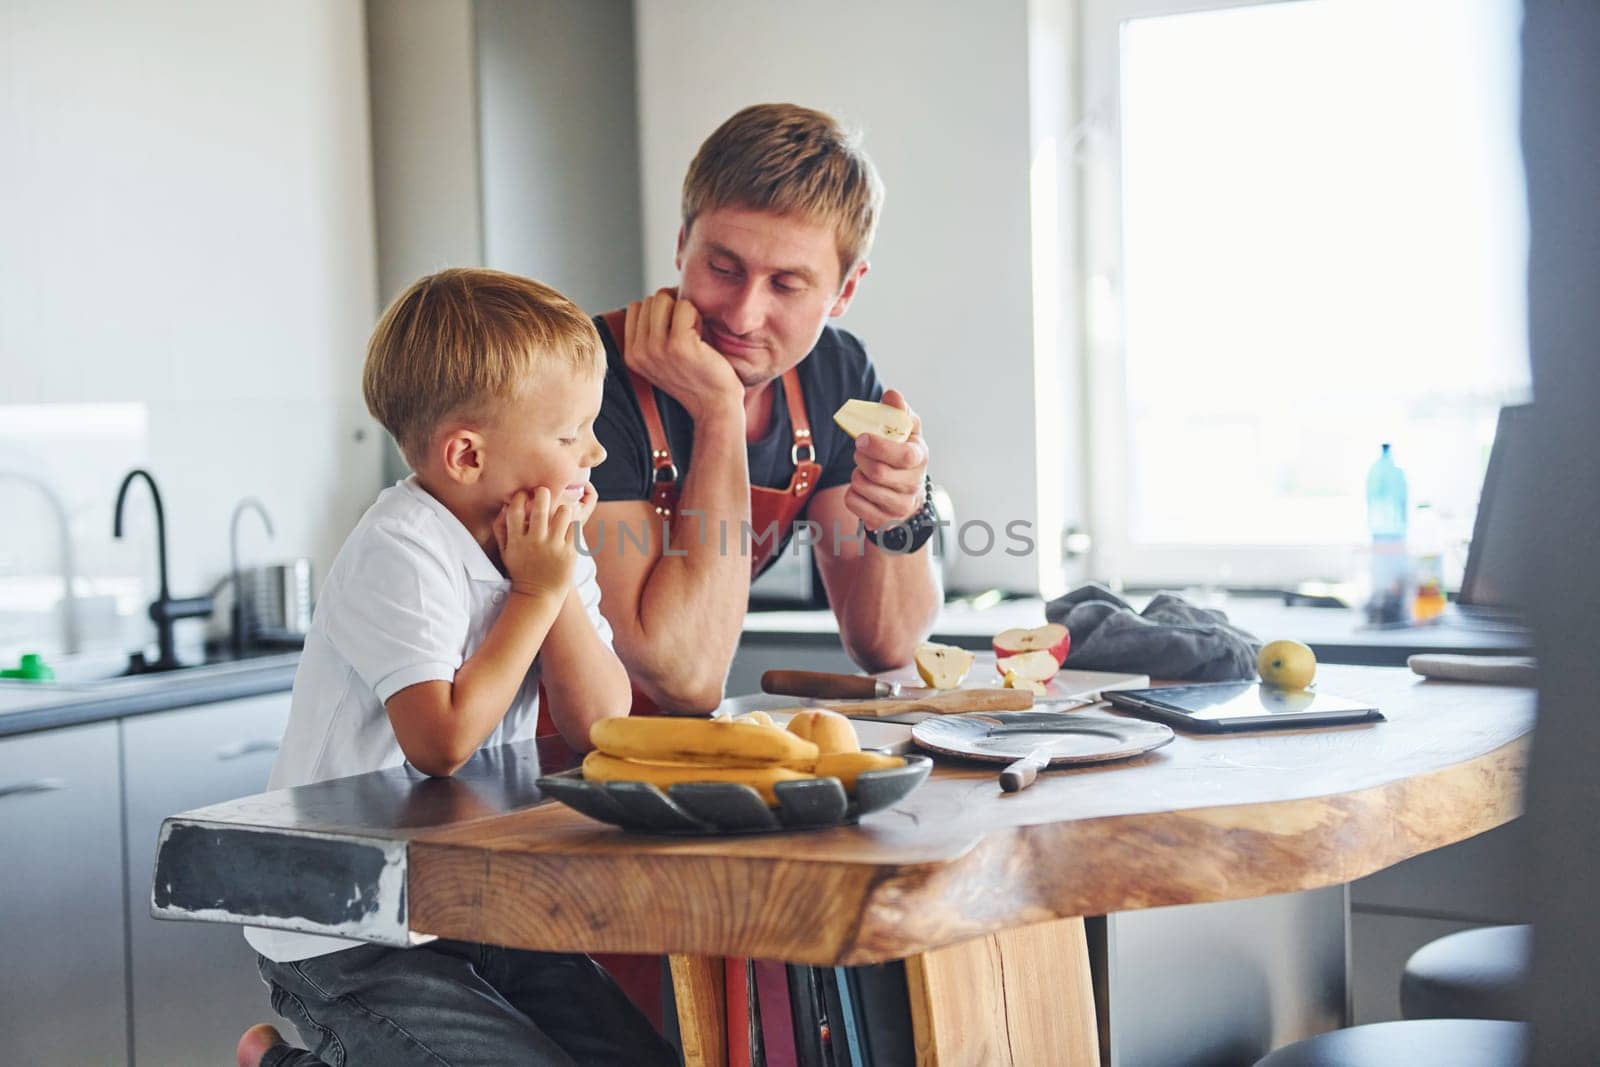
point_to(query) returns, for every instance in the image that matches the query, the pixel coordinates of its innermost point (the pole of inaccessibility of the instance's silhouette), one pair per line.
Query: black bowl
(730, 808)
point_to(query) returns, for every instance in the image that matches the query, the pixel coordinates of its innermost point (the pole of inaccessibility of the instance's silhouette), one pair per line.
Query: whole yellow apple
(1287, 664)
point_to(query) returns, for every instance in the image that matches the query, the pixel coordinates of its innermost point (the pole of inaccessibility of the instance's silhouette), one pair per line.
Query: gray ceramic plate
(1001, 737)
(729, 808)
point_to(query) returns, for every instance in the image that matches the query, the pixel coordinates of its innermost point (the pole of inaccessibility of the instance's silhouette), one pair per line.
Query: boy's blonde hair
(790, 160)
(463, 340)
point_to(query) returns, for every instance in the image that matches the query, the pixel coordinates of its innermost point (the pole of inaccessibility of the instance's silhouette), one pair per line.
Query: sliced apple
(1051, 637)
(857, 417)
(1029, 666)
(1016, 681)
(942, 666)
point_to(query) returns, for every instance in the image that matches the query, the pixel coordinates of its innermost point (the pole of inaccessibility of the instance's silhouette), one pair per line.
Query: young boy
(458, 592)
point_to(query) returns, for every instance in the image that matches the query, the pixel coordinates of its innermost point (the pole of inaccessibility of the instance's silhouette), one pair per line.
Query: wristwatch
(906, 536)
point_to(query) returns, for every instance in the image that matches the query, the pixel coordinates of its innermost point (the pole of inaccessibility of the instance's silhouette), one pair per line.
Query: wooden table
(982, 892)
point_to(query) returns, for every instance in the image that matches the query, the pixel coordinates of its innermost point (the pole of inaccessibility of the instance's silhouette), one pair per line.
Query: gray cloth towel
(1171, 640)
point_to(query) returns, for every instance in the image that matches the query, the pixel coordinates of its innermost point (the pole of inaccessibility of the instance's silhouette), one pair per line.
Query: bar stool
(1474, 974)
(1414, 1042)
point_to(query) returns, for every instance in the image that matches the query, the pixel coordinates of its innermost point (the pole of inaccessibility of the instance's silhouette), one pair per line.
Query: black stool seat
(1475, 974)
(1411, 1043)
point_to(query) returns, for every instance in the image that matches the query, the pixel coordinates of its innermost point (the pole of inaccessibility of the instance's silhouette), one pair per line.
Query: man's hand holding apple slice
(888, 484)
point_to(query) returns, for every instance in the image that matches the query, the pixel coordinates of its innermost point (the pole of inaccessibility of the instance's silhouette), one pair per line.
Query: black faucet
(165, 611)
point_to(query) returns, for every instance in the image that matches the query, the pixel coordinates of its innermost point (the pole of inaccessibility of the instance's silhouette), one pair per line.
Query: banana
(600, 767)
(718, 742)
(845, 766)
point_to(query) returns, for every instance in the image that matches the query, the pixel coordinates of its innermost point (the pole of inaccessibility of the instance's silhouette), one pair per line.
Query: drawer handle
(240, 749)
(33, 785)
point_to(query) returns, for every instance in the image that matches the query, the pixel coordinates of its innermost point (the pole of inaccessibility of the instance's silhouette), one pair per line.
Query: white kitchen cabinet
(194, 985)
(63, 989)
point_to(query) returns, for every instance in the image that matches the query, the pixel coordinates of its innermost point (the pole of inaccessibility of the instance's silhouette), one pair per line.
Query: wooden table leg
(1012, 999)
(697, 983)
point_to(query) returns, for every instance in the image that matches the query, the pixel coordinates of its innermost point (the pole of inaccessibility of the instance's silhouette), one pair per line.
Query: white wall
(187, 221)
(560, 145)
(941, 93)
(422, 57)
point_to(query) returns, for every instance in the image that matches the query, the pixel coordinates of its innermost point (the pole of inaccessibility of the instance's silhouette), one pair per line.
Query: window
(1306, 236)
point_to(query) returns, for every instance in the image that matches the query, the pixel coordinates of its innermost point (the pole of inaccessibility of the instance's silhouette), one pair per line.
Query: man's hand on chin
(663, 343)
(888, 484)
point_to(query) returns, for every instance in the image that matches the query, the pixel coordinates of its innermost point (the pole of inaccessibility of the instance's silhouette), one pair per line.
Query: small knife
(824, 686)
(1020, 774)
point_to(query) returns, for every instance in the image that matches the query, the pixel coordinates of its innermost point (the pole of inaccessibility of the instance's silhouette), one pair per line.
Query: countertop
(1202, 818)
(1337, 635)
(29, 706)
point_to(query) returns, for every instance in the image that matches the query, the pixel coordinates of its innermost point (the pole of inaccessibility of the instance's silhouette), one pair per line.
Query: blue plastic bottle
(1386, 522)
(1386, 499)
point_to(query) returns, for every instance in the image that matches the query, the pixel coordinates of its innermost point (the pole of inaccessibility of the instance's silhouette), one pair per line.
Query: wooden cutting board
(951, 703)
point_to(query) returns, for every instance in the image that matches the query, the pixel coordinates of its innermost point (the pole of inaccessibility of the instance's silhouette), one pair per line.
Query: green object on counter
(33, 668)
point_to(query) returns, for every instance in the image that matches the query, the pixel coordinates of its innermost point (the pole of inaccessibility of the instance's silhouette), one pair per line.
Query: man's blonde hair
(790, 160)
(463, 340)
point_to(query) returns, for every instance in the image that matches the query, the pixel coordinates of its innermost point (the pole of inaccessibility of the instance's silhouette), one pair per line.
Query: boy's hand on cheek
(537, 543)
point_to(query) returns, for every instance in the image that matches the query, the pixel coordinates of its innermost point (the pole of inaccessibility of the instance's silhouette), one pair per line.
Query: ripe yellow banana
(719, 742)
(846, 766)
(599, 767)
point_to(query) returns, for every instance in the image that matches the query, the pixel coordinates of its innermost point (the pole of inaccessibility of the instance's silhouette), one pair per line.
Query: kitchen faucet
(164, 611)
(70, 630)
(248, 503)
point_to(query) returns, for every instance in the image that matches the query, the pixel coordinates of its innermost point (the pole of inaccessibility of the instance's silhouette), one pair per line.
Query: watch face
(894, 538)
(908, 535)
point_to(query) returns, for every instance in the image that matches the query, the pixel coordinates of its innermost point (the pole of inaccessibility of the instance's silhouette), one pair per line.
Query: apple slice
(1051, 637)
(942, 666)
(1016, 681)
(857, 417)
(1038, 666)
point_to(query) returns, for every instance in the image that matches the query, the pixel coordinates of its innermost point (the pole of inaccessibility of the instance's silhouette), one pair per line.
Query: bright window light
(1323, 248)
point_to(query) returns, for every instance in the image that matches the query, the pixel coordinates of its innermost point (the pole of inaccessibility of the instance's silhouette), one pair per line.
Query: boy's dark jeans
(457, 1003)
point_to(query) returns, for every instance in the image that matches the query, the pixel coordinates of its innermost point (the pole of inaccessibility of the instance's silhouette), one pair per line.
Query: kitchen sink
(94, 670)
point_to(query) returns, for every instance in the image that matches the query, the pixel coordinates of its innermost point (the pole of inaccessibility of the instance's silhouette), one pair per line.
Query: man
(717, 419)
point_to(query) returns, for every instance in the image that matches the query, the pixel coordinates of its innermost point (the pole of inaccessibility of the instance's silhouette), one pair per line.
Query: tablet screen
(1244, 700)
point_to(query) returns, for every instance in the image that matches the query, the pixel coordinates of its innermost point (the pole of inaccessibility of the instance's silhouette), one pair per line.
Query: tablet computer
(1216, 707)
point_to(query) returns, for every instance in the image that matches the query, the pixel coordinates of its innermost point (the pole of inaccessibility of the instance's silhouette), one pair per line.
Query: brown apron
(640, 976)
(767, 506)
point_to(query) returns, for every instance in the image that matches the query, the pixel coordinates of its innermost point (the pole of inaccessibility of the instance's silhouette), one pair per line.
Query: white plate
(1003, 736)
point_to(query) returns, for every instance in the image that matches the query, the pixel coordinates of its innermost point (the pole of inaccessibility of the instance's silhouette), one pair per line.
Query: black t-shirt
(836, 369)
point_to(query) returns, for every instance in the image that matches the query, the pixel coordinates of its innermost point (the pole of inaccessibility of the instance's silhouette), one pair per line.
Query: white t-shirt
(409, 597)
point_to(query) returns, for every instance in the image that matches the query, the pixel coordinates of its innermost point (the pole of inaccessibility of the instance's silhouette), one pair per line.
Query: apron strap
(663, 472)
(803, 452)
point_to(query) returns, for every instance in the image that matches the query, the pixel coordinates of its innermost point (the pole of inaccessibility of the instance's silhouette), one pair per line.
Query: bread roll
(828, 730)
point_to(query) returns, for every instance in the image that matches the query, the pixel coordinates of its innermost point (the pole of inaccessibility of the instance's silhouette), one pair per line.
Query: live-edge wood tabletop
(1204, 818)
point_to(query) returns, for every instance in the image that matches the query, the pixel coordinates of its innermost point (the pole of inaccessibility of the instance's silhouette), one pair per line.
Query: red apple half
(942, 666)
(1029, 666)
(1051, 637)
